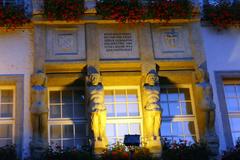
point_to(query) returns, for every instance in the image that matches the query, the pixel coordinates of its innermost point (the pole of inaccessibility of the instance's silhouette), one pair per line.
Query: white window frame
(227, 113)
(184, 118)
(65, 121)
(127, 119)
(10, 120)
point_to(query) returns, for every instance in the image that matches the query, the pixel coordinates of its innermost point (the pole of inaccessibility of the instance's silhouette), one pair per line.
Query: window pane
(6, 110)
(67, 96)
(80, 142)
(109, 96)
(4, 142)
(186, 108)
(68, 144)
(184, 94)
(55, 131)
(6, 96)
(112, 141)
(120, 96)
(132, 95)
(166, 129)
(177, 128)
(78, 97)
(55, 111)
(238, 90)
(67, 111)
(111, 130)
(172, 94)
(121, 109)
(54, 96)
(67, 131)
(80, 130)
(163, 94)
(232, 104)
(235, 137)
(122, 130)
(135, 128)
(110, 110)
(5, 131)
(79, 110)
(229, 91)
(174, 109)
(165, 109)
(235, 124)
(133, 109)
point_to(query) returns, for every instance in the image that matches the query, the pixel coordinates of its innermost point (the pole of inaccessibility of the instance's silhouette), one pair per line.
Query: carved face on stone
(94, 78)
(39, 79)
(151, 79)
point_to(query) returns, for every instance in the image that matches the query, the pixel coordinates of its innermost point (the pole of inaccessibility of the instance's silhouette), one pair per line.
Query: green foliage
(222, 14)
(12, 16)
(185, 151)
(134, 11)
(67, 154)
(8, 153)
(233, 153)
(69, 10)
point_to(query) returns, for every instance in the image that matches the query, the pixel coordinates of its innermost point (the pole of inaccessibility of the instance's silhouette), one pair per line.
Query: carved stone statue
(97, 109)
(152, 109)
(208, 106)
(39, 113)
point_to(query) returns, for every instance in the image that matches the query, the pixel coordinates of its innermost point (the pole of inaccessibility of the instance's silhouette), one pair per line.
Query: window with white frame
(178, 117)
(232, 98)
(7, 120)
(124, 113)
(67, 118)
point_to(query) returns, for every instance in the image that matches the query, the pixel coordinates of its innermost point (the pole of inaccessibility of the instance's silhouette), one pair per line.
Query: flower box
(69, 10)
(222, 15)
(135, 11)
(12, 16)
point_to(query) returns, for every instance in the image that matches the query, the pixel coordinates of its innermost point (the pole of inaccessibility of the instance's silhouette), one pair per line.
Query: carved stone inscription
(118, 42)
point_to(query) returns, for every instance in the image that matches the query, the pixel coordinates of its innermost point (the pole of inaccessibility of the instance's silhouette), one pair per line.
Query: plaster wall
(16, 59)
(222, 51)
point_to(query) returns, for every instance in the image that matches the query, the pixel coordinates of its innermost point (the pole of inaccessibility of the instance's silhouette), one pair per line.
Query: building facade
(90, 82)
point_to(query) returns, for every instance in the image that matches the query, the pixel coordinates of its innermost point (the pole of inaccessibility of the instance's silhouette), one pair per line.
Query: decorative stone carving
(208, 106)
(39, 114)
(98, 110)
(171, 42)
(152, 111)
(66, 43)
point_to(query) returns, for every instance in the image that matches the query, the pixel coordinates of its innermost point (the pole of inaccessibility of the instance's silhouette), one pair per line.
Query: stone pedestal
(155, 146)
(38, 149)
(213, 142)
(99, 146)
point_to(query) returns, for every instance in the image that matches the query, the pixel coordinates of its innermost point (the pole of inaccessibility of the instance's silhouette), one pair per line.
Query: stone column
(39, 115)
(152, 114)
(97, 110)
(39, 106)
(208, 106)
